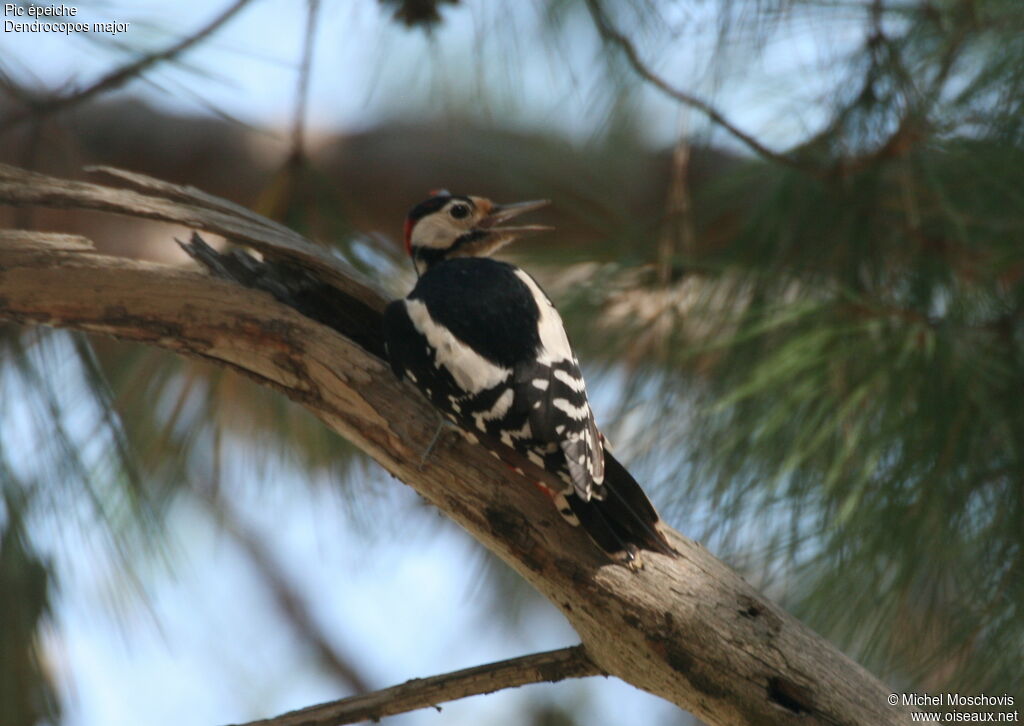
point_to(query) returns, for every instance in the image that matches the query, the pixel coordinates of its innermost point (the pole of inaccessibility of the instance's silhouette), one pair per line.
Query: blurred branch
(27, 581)
(423, 13)
(12, 89)
(302, 92)
(886, 61)
(678, 235)
(289, 601)
(119, 76)
(611, 35)
(288, 195)
(687, 628)
(551, 666)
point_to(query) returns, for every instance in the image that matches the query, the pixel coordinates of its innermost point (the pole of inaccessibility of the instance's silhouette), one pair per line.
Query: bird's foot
(630, 557)
(443, 424)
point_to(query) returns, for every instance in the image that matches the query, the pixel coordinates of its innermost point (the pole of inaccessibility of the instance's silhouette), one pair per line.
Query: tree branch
(551, 666)
(687, 628)
(611, 35)
(165, 202)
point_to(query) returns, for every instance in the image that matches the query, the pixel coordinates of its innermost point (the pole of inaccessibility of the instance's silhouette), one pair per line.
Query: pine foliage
(859, 373)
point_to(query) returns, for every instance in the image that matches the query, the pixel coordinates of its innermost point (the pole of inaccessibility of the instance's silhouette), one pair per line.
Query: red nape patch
(408, 236)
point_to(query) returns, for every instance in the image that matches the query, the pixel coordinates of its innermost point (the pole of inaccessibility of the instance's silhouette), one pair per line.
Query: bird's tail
(625, 521)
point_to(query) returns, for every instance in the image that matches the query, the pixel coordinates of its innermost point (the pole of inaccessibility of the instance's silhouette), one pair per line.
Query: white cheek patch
(434, 231)
(438, 231)
(472, 372)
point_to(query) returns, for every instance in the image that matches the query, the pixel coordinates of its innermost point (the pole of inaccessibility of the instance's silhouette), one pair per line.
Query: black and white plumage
(486, 346)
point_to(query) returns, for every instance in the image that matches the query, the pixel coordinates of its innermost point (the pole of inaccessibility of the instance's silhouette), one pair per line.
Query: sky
(494, 59)
(197, 641)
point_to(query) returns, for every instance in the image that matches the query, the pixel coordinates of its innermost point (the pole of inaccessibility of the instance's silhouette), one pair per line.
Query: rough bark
(687, 628)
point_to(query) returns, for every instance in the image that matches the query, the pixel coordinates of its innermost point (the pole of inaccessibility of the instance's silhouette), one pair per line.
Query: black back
(484, 304)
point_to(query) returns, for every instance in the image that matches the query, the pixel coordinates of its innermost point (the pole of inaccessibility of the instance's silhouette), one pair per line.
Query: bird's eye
(459, 211)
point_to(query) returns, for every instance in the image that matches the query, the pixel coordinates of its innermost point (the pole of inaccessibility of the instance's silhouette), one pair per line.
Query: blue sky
(494, 59)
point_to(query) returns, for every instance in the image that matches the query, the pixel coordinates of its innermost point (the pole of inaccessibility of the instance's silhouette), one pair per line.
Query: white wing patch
(573, 382)
(471, 371)
(580, 413)
(580, 440)
(499, 409)
(554, 344)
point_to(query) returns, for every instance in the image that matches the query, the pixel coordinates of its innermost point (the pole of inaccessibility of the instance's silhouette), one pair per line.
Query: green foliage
(26, 585)
(859, 397)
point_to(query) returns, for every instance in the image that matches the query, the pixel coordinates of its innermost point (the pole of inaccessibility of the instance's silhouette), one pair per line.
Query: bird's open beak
(488, 236)
(503, 212)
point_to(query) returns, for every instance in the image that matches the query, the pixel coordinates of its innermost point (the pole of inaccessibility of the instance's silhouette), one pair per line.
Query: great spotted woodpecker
(486, 346)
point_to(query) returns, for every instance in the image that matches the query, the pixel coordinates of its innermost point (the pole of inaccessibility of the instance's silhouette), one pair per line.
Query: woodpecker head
(447, 225)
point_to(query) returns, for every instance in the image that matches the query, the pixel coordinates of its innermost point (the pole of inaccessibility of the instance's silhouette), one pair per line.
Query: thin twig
(302, 92)
(611, 35)
(289, 191)
(120, 76)
(550, 666)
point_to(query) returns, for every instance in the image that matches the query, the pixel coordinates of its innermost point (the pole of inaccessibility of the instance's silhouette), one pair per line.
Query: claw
(442, 424)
